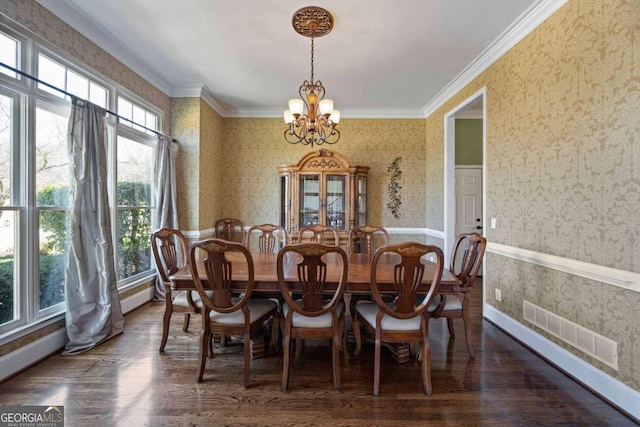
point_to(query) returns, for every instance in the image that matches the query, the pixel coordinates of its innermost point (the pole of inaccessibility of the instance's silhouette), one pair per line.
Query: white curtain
(93, 305)
(166, 200)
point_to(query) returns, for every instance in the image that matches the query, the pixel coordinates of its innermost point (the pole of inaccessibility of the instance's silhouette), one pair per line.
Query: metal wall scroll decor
(395, 174)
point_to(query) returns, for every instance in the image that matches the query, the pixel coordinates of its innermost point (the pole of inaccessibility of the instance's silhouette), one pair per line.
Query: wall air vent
(589, 342)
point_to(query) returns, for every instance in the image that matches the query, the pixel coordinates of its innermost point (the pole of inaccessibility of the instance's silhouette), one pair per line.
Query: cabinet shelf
(337, 187)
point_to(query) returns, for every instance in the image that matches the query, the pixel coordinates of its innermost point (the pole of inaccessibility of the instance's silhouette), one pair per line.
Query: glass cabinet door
(361, 207)
(309, 205)
(336, 201)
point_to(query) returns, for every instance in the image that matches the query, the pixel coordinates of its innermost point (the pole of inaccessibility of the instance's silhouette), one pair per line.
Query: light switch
(493, 223)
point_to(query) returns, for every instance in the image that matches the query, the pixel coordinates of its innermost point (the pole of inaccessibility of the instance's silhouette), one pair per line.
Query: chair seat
(180, 299)
(300, 321)
(451, 303)
(369, 312)
(257, 309)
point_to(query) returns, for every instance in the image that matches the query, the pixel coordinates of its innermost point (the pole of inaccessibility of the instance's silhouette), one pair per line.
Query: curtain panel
(93, 306)
(166, 212)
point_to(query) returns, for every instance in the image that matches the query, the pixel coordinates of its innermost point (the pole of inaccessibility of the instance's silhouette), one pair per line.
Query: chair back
(468, 252)
(366, 239)
(230, 229)
(313, 277)
(322, 234)
(217, 265)
(169, 248)
(268, 237)
(408, 273)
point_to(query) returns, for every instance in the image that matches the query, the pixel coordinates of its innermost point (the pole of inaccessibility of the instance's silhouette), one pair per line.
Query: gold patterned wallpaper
(242, 175)
(563, 169)
(468, 141)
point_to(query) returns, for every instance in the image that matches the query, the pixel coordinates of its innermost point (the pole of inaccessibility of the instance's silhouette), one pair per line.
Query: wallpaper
(185, 127)
(252, 149)
(563, 168)
(468, 142)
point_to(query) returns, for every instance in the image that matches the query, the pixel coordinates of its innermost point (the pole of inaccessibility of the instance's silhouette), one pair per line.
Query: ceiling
(383, 58)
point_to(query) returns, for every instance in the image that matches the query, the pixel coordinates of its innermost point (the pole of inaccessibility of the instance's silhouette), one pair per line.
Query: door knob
(478, 227)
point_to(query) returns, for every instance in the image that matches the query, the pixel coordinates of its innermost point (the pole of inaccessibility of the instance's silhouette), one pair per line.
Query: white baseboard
(22, 358)
(611, 389)
(25, 356)
(136, 300)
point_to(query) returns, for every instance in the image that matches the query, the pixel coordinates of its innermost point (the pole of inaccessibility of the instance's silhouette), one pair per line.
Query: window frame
(23, 179)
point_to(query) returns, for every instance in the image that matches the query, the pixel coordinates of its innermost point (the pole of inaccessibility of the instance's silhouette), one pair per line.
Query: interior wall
(563, 171)
(252, 149)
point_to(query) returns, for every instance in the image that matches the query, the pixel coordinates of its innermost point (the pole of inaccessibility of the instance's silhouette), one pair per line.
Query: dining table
(358, 279)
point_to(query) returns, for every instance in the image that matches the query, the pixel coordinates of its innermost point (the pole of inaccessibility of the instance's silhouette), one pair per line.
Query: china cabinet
(323, 188)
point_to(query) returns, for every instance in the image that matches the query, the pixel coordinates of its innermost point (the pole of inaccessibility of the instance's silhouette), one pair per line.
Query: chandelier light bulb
(335, 116)
(296, 106)
(288, 117)
(326, 106)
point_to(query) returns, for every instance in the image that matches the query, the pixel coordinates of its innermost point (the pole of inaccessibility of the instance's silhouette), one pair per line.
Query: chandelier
(318, 124)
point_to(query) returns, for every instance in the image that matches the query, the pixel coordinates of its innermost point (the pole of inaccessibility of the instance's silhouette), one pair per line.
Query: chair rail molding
(612, 276)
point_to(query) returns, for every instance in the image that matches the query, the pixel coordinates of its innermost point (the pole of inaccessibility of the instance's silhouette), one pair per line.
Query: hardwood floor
(127, 382)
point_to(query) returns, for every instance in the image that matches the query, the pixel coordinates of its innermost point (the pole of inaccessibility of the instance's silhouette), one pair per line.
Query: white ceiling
(383, 58)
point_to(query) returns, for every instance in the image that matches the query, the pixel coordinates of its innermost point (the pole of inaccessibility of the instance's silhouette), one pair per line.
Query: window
(10, 209)
(9, 49)
(135, 201)
(68, 80)
(34, 180)
(138, 115)
(52, 200)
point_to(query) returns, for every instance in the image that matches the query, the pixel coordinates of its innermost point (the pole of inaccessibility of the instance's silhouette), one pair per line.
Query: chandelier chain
(311, 60)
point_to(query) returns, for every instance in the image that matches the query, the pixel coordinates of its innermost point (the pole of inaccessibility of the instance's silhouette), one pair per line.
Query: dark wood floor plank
(126, 382)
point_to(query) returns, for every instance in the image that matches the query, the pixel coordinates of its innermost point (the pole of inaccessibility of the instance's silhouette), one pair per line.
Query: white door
(468, 200)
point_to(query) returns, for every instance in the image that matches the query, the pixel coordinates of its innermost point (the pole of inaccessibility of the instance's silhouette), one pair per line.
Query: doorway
(463, 211)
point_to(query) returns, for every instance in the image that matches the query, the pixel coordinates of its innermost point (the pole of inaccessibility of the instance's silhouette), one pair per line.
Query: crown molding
(105, 40)
(527, 22)
(535, 15)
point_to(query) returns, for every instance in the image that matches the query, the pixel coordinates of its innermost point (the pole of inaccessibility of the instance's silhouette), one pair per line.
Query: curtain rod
(22, 73)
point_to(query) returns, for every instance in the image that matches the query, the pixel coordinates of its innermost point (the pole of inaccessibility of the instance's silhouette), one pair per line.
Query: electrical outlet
(498, 295)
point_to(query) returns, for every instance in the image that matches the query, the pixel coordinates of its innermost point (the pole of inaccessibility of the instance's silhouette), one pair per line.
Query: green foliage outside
(134, 251)
(134, 225)
(6, 289)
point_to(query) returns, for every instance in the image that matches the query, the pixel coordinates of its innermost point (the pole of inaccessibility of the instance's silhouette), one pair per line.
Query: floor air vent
(589, 342)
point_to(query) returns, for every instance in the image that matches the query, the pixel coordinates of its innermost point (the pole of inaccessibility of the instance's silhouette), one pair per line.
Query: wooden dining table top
(358, 279)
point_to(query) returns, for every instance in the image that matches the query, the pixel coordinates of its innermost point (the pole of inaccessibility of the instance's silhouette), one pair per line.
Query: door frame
(450, 168)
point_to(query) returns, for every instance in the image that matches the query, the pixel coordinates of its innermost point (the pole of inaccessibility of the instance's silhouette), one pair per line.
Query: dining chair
(365, 239)
(318, 233)
(268, 235)
(319, 314)
(169, 248)
(222, 312)
(268, 238)
(466, 260)
(230, 229)
(406, 319)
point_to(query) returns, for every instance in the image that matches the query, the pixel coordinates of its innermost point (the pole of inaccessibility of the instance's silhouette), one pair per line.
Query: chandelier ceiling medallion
(317, 125)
